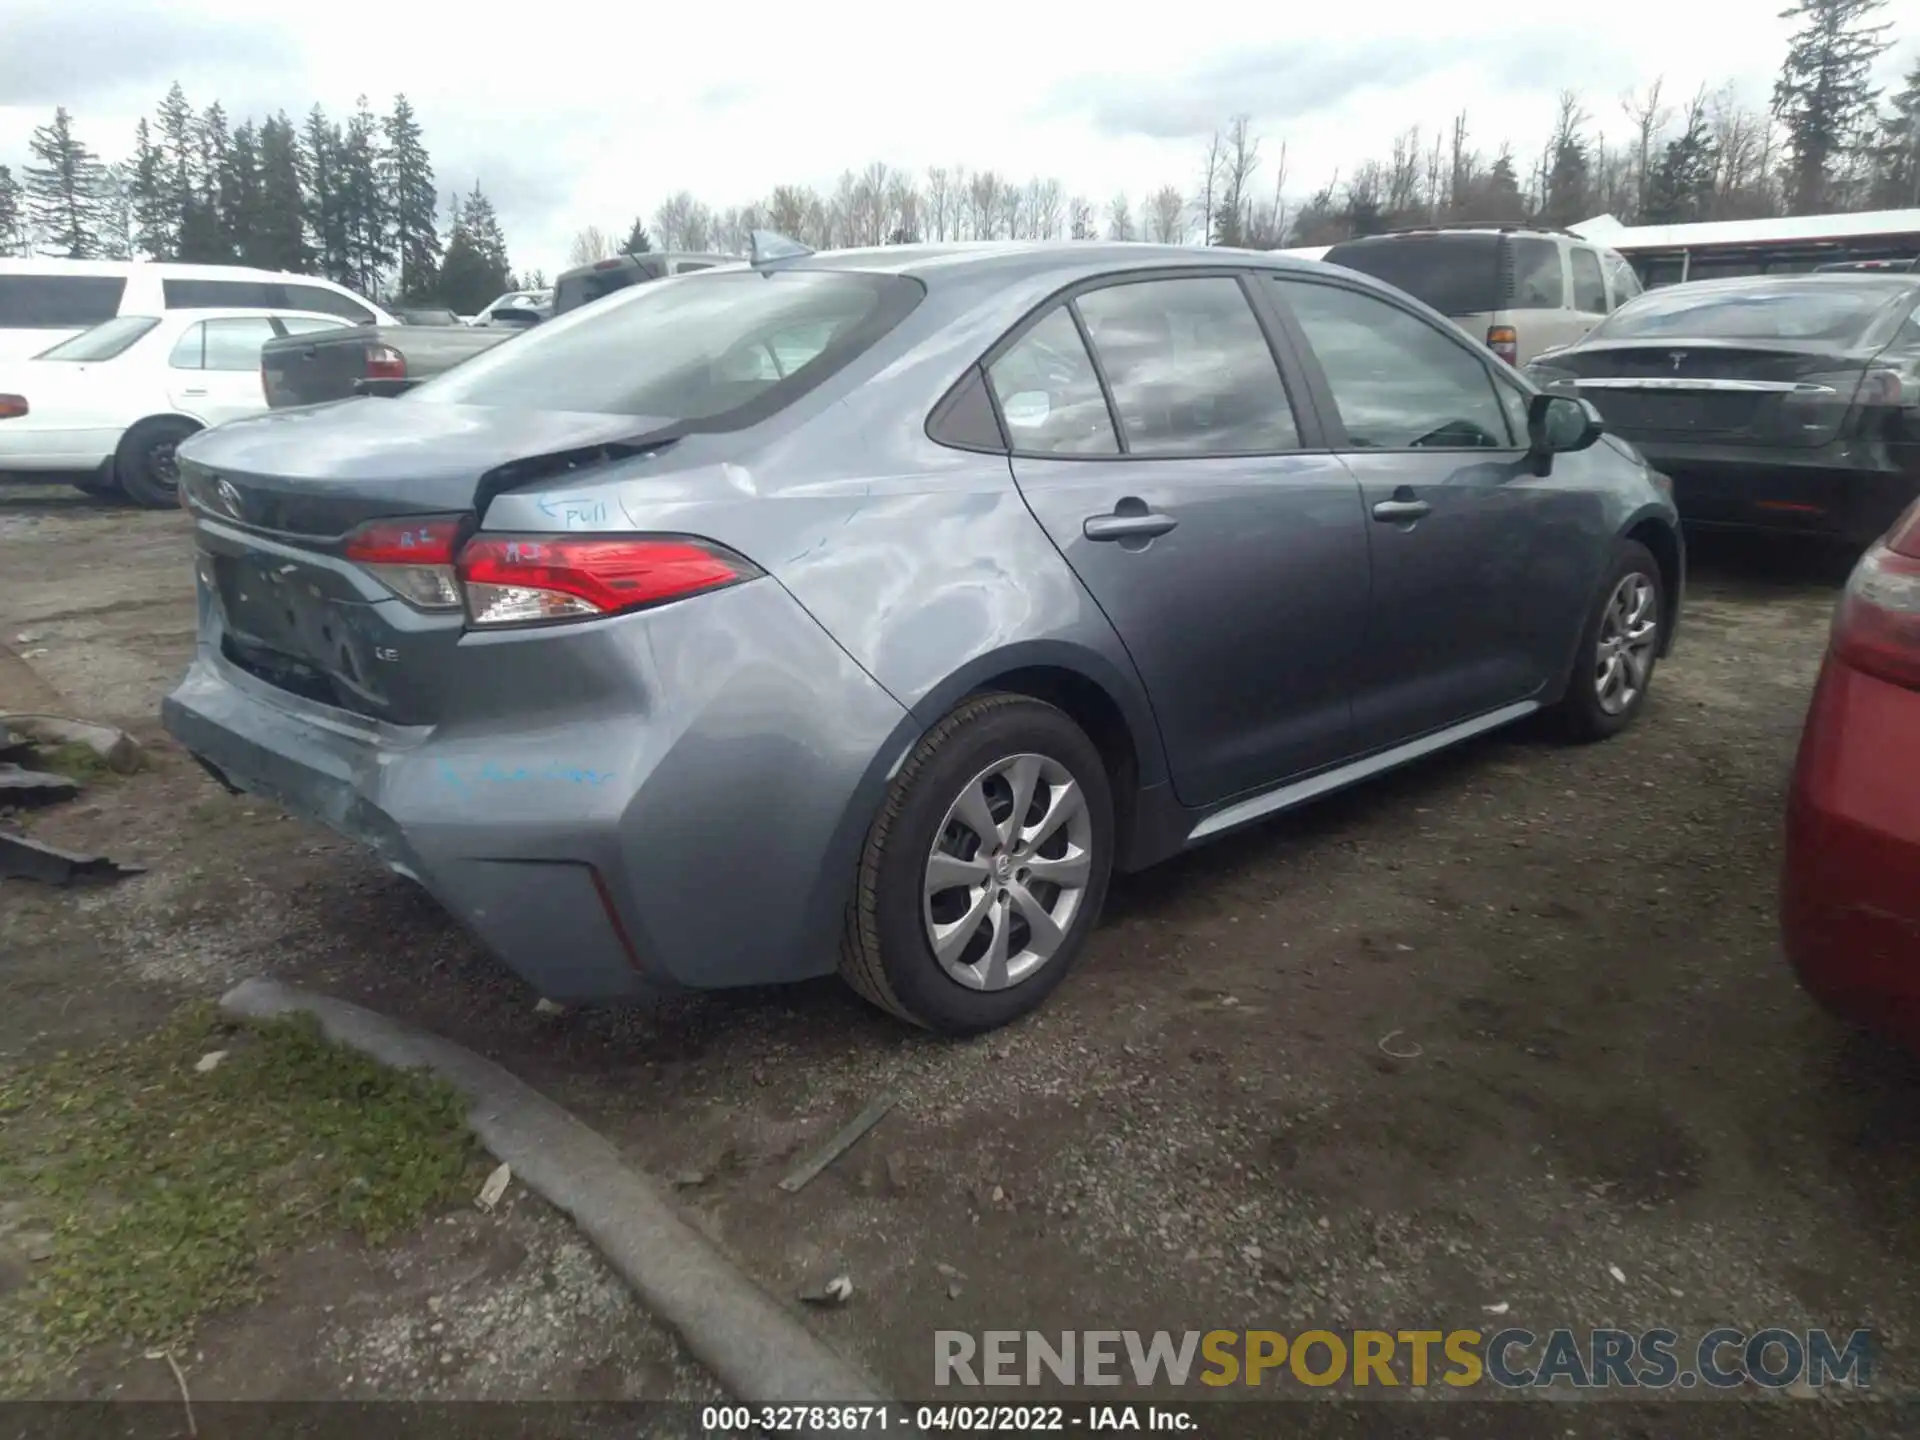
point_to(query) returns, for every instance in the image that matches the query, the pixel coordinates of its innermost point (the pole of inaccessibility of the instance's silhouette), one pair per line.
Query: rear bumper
(23, 447)
(1847, 492)
(697, 826)
(1850, 885)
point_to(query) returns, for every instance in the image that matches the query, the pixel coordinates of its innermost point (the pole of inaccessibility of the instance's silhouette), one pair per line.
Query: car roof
(1018, 259)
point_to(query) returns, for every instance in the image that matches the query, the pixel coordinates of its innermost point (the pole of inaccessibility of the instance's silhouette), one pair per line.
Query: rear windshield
(721, 348)
(58, 302)
(1455, 274)
(1761, 311)
(102, 342)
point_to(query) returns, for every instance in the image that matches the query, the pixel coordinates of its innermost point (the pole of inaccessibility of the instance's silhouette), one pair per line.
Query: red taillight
(12, 406)
(1504, 341)
(386, 363)
(1877, 627)
(521, 579)
(412, 556)
(607, 264)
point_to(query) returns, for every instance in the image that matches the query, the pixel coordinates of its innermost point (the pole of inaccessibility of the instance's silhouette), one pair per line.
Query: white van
(1519, 288)
(43, 302)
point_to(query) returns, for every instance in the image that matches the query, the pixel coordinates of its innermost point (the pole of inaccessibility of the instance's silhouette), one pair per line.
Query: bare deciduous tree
(590, 243)
(1120, 218)
(1167, 216)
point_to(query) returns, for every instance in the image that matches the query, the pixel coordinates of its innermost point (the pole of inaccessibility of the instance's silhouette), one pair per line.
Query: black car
(1781, 402)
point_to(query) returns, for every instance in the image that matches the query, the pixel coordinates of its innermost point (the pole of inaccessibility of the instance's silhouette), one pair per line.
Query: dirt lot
(1500, 1030)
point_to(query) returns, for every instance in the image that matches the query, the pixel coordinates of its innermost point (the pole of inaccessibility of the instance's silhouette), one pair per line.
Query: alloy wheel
(1629, 632)
(1007, 872)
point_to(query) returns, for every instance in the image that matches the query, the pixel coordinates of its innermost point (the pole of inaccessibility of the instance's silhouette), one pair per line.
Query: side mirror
(1557, 424)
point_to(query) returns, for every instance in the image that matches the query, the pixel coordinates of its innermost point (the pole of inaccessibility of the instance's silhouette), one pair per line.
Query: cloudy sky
(588, 112)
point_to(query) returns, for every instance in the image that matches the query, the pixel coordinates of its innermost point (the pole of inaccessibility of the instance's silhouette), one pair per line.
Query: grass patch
(163, 1189)
(75, 761)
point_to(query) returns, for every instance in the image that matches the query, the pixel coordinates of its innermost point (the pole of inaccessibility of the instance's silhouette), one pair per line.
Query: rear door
(1197, 504)
(215, 368)
(1479, 568)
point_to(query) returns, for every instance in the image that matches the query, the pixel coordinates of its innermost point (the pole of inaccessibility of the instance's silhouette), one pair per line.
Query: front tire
(984, 871)
(145, 462)
(1619, 648)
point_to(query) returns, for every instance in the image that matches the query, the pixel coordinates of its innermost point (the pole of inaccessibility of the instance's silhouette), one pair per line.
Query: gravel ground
(1509, 1029)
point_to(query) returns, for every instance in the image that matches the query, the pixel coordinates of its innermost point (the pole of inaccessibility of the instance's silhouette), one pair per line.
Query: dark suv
(587, 283)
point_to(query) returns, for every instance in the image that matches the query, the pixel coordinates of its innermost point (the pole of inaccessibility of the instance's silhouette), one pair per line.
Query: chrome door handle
(1400, 511)
(1127, 527)
(193, 392)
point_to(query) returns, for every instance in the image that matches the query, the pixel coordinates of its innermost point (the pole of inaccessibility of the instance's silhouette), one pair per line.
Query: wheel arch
(176, 415)
(1662, 538)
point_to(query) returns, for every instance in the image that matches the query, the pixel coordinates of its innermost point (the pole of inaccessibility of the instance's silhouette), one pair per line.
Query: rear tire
(144, 462)
(965, 916)
(1613, 668)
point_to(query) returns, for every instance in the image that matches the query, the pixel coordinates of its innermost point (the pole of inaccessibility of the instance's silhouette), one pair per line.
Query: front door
(1480, 568)
(1230, 557)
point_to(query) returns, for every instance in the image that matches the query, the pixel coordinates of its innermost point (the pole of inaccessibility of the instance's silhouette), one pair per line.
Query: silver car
(868, 610)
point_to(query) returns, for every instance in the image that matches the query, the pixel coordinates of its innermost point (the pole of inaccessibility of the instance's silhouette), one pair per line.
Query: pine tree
(65, 192)
(638, 242)
(118, 223)
(278, 240)
(411, 200)
(1680, 190)
(238, 194)
(475, 270)
(325, 209)
(179, 156)
(1896, 184)
(1825, 89)
(13, 236)
(156, 224)
(362, 206)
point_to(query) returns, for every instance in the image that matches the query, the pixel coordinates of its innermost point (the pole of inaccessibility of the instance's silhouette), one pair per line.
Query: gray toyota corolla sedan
(869, 609)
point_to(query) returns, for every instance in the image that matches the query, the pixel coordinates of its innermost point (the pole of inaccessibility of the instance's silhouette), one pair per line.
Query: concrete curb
(761, 1353)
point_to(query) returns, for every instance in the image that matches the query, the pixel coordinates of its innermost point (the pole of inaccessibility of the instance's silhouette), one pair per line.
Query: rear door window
(1189, 367)
(1589, 284)
(1399, 383)
(1538, 283)
(1049, 394)
(235, 344)
(58, 302)
(1456, 273)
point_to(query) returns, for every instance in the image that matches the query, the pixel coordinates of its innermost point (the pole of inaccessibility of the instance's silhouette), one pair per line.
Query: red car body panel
(1850, 890)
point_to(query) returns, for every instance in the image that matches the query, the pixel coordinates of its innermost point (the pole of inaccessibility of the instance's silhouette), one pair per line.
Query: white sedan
(108, 406)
